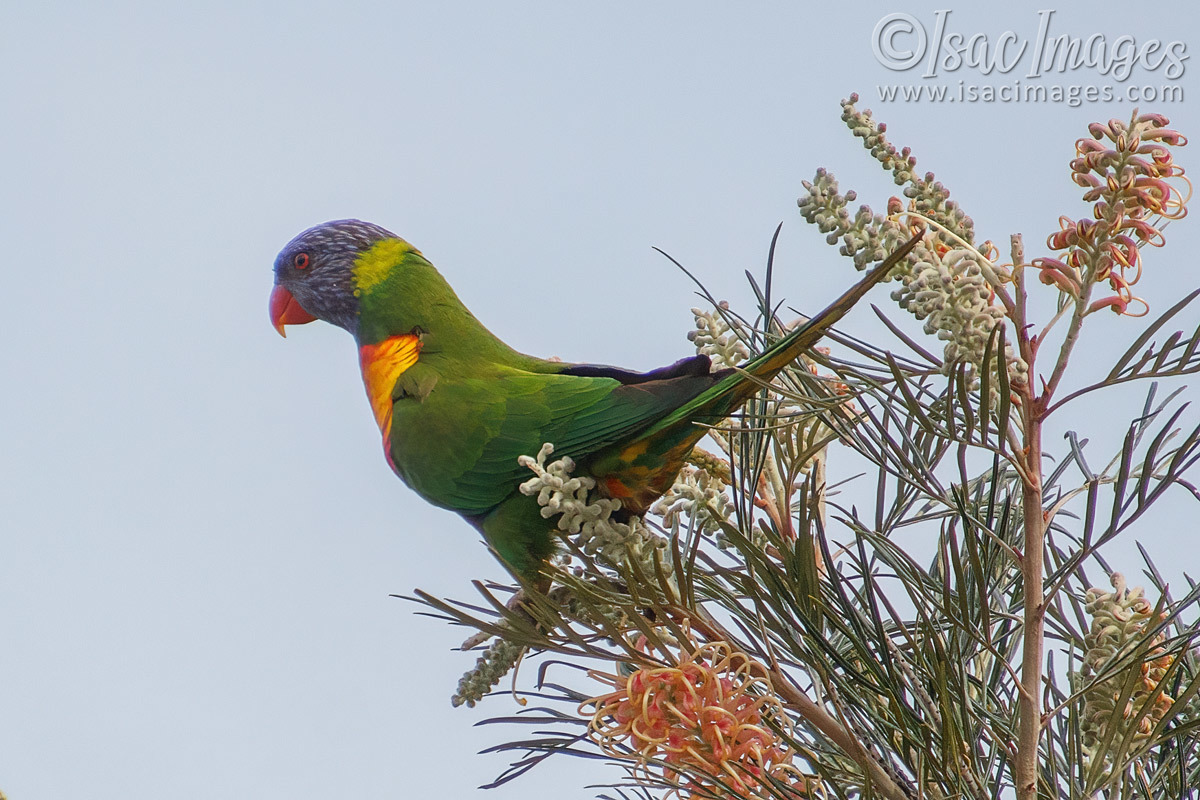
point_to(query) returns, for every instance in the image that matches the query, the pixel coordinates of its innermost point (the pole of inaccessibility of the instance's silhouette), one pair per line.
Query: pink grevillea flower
(707, 724)
(1126, 168)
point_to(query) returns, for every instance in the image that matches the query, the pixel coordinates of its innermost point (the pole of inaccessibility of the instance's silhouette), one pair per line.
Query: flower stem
(1029, 729)
(1029, 710)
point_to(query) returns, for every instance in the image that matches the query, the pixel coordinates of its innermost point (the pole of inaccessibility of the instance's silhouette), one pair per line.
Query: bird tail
(767, 364)
(731, 390)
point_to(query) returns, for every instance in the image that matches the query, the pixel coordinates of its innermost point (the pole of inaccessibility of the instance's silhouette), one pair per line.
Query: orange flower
(705, 720)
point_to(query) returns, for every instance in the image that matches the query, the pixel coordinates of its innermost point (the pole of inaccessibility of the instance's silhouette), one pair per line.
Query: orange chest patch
(382, 364)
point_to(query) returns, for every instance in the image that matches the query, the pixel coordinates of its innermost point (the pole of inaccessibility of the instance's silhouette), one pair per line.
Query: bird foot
(515, 604)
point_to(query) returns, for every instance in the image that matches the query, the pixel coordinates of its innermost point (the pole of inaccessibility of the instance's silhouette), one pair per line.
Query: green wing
(458, 446)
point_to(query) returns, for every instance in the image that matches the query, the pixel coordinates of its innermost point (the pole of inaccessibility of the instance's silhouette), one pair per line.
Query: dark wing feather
(695, 365)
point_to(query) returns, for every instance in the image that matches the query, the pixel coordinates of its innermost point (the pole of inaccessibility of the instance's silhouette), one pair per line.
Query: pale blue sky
(198, 532)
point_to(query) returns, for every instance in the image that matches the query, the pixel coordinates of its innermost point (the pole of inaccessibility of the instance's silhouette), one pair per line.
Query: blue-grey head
(313, 274)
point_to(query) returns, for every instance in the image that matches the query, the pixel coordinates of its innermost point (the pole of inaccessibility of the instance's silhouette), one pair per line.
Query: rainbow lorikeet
(457, 406)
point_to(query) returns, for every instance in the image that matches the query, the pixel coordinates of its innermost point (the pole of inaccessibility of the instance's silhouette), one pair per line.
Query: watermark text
(1121, 68)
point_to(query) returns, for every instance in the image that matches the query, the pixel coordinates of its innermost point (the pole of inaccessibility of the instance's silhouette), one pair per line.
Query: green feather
(472, 405)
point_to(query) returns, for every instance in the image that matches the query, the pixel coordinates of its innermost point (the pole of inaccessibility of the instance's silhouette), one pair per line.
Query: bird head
(314, 274)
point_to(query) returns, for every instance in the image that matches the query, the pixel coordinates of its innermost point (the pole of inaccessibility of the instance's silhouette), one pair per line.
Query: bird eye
(300, 261)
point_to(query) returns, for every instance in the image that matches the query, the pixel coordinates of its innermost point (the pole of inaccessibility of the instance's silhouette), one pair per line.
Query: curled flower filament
(705, 724)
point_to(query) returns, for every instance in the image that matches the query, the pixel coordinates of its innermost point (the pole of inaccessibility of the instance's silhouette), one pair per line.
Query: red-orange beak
(286, 311)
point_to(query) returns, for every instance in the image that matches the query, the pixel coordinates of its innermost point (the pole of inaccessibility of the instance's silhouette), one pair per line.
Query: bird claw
(476, 639)
(515, 604)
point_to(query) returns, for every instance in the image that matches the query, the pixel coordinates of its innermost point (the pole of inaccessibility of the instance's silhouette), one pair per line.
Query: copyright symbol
(884, 46)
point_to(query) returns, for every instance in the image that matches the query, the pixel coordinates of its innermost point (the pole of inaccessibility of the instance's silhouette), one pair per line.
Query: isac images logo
(1042, 66)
